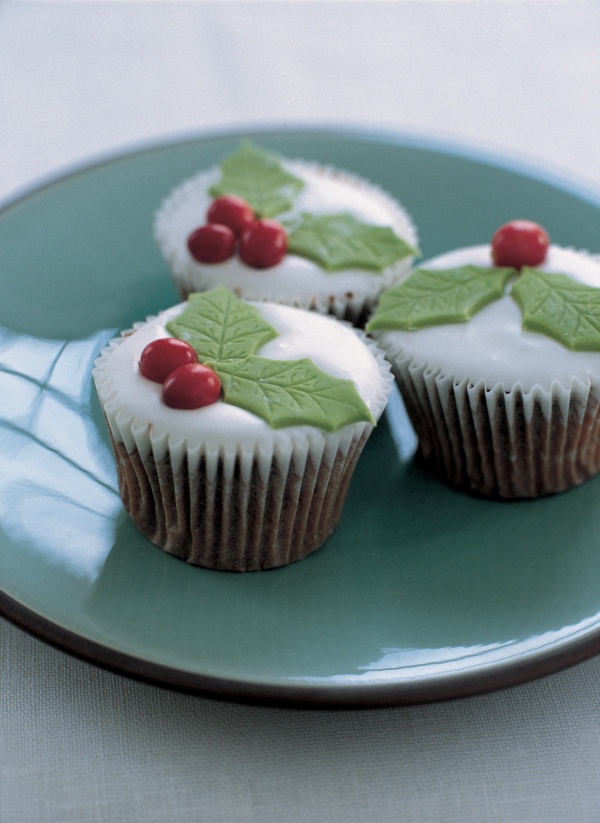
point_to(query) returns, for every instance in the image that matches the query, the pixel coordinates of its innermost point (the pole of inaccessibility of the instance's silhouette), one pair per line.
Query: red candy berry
(212, 243)
(230, 211)
(520, 243)
(191, 386)
(263, 244)
(162, 356)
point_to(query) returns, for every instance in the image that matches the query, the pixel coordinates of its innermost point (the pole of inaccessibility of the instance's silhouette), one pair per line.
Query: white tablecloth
(81, 79)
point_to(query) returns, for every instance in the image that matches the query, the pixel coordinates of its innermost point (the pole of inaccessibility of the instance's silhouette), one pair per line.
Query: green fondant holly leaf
(341, 241)
(293, 392)
(221, 327)
(227, 333)
(260, 179)
(560, 307)
(431, 297)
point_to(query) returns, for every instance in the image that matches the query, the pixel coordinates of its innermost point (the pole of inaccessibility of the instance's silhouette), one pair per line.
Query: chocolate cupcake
(236, 426)
(286, 231)
(496, 351)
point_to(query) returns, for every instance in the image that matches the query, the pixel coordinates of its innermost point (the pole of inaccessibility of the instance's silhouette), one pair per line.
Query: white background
(79, 80)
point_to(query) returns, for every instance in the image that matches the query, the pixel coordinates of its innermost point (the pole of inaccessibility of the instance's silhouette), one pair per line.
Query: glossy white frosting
(296, 280)
(492, 346)
(138, 417)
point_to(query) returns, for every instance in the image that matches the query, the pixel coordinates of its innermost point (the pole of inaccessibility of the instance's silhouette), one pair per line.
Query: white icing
(138, 417)
(492, 346)
(295, 280)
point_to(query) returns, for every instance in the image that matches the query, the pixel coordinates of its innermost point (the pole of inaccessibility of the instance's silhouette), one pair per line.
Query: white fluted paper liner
(501, 441)
(348, 295)
(247, 503)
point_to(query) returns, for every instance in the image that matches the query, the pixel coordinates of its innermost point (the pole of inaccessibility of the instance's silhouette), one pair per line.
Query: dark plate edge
(468, 683)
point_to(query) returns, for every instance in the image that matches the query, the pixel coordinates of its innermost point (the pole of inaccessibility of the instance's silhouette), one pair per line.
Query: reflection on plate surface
(421, 593)
(56, 483)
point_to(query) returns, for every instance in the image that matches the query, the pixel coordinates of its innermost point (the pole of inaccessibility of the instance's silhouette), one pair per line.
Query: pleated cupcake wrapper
(351, 306)
(226, 516)
(502, 443)
(235, 506)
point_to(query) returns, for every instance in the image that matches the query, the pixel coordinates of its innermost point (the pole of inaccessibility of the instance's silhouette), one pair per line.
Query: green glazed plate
(422, 593)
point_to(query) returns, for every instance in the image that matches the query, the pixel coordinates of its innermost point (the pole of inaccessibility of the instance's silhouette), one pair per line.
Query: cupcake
(236, 426)
(496, 351)
(285, 231)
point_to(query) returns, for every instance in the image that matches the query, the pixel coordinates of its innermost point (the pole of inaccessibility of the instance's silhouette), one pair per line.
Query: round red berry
(212, 243)
(160, 357)
(520, 243)
(230, 211)
(263, 244)
(191, 386)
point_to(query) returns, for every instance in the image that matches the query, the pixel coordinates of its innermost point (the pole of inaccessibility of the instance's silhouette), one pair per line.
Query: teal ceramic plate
(422, 593)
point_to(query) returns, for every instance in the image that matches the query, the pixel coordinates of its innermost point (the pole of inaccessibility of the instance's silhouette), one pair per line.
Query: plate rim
(506, 161)
(475, 680)
(470, 682)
